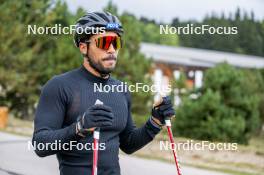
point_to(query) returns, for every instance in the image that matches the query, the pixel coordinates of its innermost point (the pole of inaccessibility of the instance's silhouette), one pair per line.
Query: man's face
(103, 61)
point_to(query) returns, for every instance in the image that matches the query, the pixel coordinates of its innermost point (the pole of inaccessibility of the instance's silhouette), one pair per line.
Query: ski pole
(168, 126)
(96, 136)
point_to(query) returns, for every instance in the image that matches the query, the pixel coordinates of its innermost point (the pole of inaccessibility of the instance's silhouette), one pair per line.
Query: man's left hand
(163, 111)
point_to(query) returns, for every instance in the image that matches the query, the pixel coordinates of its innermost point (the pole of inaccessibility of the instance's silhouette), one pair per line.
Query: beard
(99, 67)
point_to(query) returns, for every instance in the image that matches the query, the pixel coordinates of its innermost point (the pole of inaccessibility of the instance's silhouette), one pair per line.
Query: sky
(166, 10)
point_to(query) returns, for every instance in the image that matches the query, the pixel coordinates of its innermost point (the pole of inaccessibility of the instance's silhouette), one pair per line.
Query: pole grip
(97, 130)
(96, 133)
(167, 122)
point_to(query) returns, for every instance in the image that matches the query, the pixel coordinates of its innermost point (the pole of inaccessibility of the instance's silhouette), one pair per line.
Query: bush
(227, 108)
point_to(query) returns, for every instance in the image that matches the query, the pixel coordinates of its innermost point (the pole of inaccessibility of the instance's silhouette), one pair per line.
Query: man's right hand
(95, 116)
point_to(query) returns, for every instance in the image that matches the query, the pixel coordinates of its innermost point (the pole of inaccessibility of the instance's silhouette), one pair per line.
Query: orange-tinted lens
(118, 43)
(105, 42)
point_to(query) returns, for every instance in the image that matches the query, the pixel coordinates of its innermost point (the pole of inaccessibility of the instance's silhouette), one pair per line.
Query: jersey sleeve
(49, 117)
(132, 138)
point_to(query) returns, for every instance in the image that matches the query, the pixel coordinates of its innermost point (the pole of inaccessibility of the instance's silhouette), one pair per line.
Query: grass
(223, 170)
(256, 144)
(216, 161)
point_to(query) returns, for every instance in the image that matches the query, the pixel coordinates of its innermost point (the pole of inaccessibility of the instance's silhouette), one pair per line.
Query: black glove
(163, 110)
(95, 116)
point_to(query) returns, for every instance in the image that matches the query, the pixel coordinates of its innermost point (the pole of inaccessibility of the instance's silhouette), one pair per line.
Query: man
(67, 111)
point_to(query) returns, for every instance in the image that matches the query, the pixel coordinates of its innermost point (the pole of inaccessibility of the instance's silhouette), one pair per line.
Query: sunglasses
(105, 42)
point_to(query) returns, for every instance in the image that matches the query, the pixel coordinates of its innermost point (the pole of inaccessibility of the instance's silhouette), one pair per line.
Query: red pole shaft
(168, 125)
(95, 151)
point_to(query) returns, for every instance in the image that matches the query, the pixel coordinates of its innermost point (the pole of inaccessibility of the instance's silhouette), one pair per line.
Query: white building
(170, 61)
